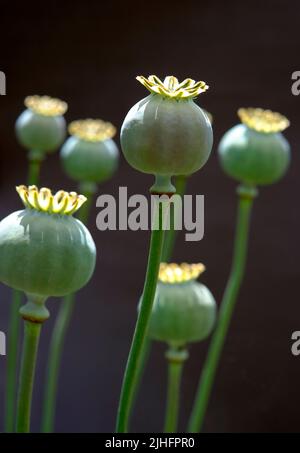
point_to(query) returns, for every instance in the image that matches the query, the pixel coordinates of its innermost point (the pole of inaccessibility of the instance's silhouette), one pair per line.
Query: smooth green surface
(34, 168)
(39, 132)
(164, 136)
(171, 234)
(45, 254)
(29, 354)
(253, 157)
(54, 361)
(134, 362)
(182, 313)
(225, 312)
(11, 366)
(175, 368)
(89, 161)
(58, 335)
(145, 354)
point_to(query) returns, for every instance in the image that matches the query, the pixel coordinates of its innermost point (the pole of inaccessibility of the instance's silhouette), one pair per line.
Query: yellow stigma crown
(171, 88)
(43, 200)
(92, 130)
(45, 105)
(179, 273)
(263, 120)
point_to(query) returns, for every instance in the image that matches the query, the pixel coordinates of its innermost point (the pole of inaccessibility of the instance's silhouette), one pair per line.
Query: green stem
(176, 360)
(246, 197)
(34, 169)
(59, 334)
(29, 354)
(34, 165)
(168, 248)
(88, 190)
(140, 371)
(134, 361)
(170, 235)
(54, 360)
(12, 354)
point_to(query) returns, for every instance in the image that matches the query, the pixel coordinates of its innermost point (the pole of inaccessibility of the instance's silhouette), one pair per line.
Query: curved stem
(168, 248)
(59, 333)
(54, 360)
(134, 361)
(29, 354)
(141, 369)
(246, 196)
(170, 235)
(12, 354)
(175, 367)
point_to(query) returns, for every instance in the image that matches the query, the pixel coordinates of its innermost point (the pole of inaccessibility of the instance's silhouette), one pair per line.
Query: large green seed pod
(184, 310)
(45, 251)
(41, 127)
(256, 152)
(90, 154)
(166, 133)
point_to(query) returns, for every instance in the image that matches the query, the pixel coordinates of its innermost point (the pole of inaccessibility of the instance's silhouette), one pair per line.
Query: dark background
(88, 53)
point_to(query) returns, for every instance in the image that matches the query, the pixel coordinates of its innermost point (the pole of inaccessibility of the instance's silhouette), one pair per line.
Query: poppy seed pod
(255, 152)
(90, 154)
(41, 128)
(184, 310)
(47, 251)
(167, 134)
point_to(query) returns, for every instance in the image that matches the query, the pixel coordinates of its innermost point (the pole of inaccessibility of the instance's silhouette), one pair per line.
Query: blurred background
(88, 54)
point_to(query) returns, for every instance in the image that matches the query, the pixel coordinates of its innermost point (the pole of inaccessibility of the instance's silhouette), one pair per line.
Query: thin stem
(58, 336)
(141, 369)
(29, 354)
(170, 235)
(246, 196)
(12, 354)
(175, 367)
(168, 248)
(134, 362)
(34, 169)
(54, 360)
(88, 190)
(34, 166)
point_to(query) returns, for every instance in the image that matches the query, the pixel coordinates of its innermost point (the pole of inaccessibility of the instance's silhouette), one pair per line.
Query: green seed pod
(166, 133)
(184, 310)
(90, 154)
(256, 152)
(45, 251)
(41, 127)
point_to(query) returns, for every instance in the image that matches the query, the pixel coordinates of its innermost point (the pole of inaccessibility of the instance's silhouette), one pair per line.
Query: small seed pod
(255, 152)
(41, 128)
(45, 251)
(166, 133)
(90, 154)
(184, 310)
